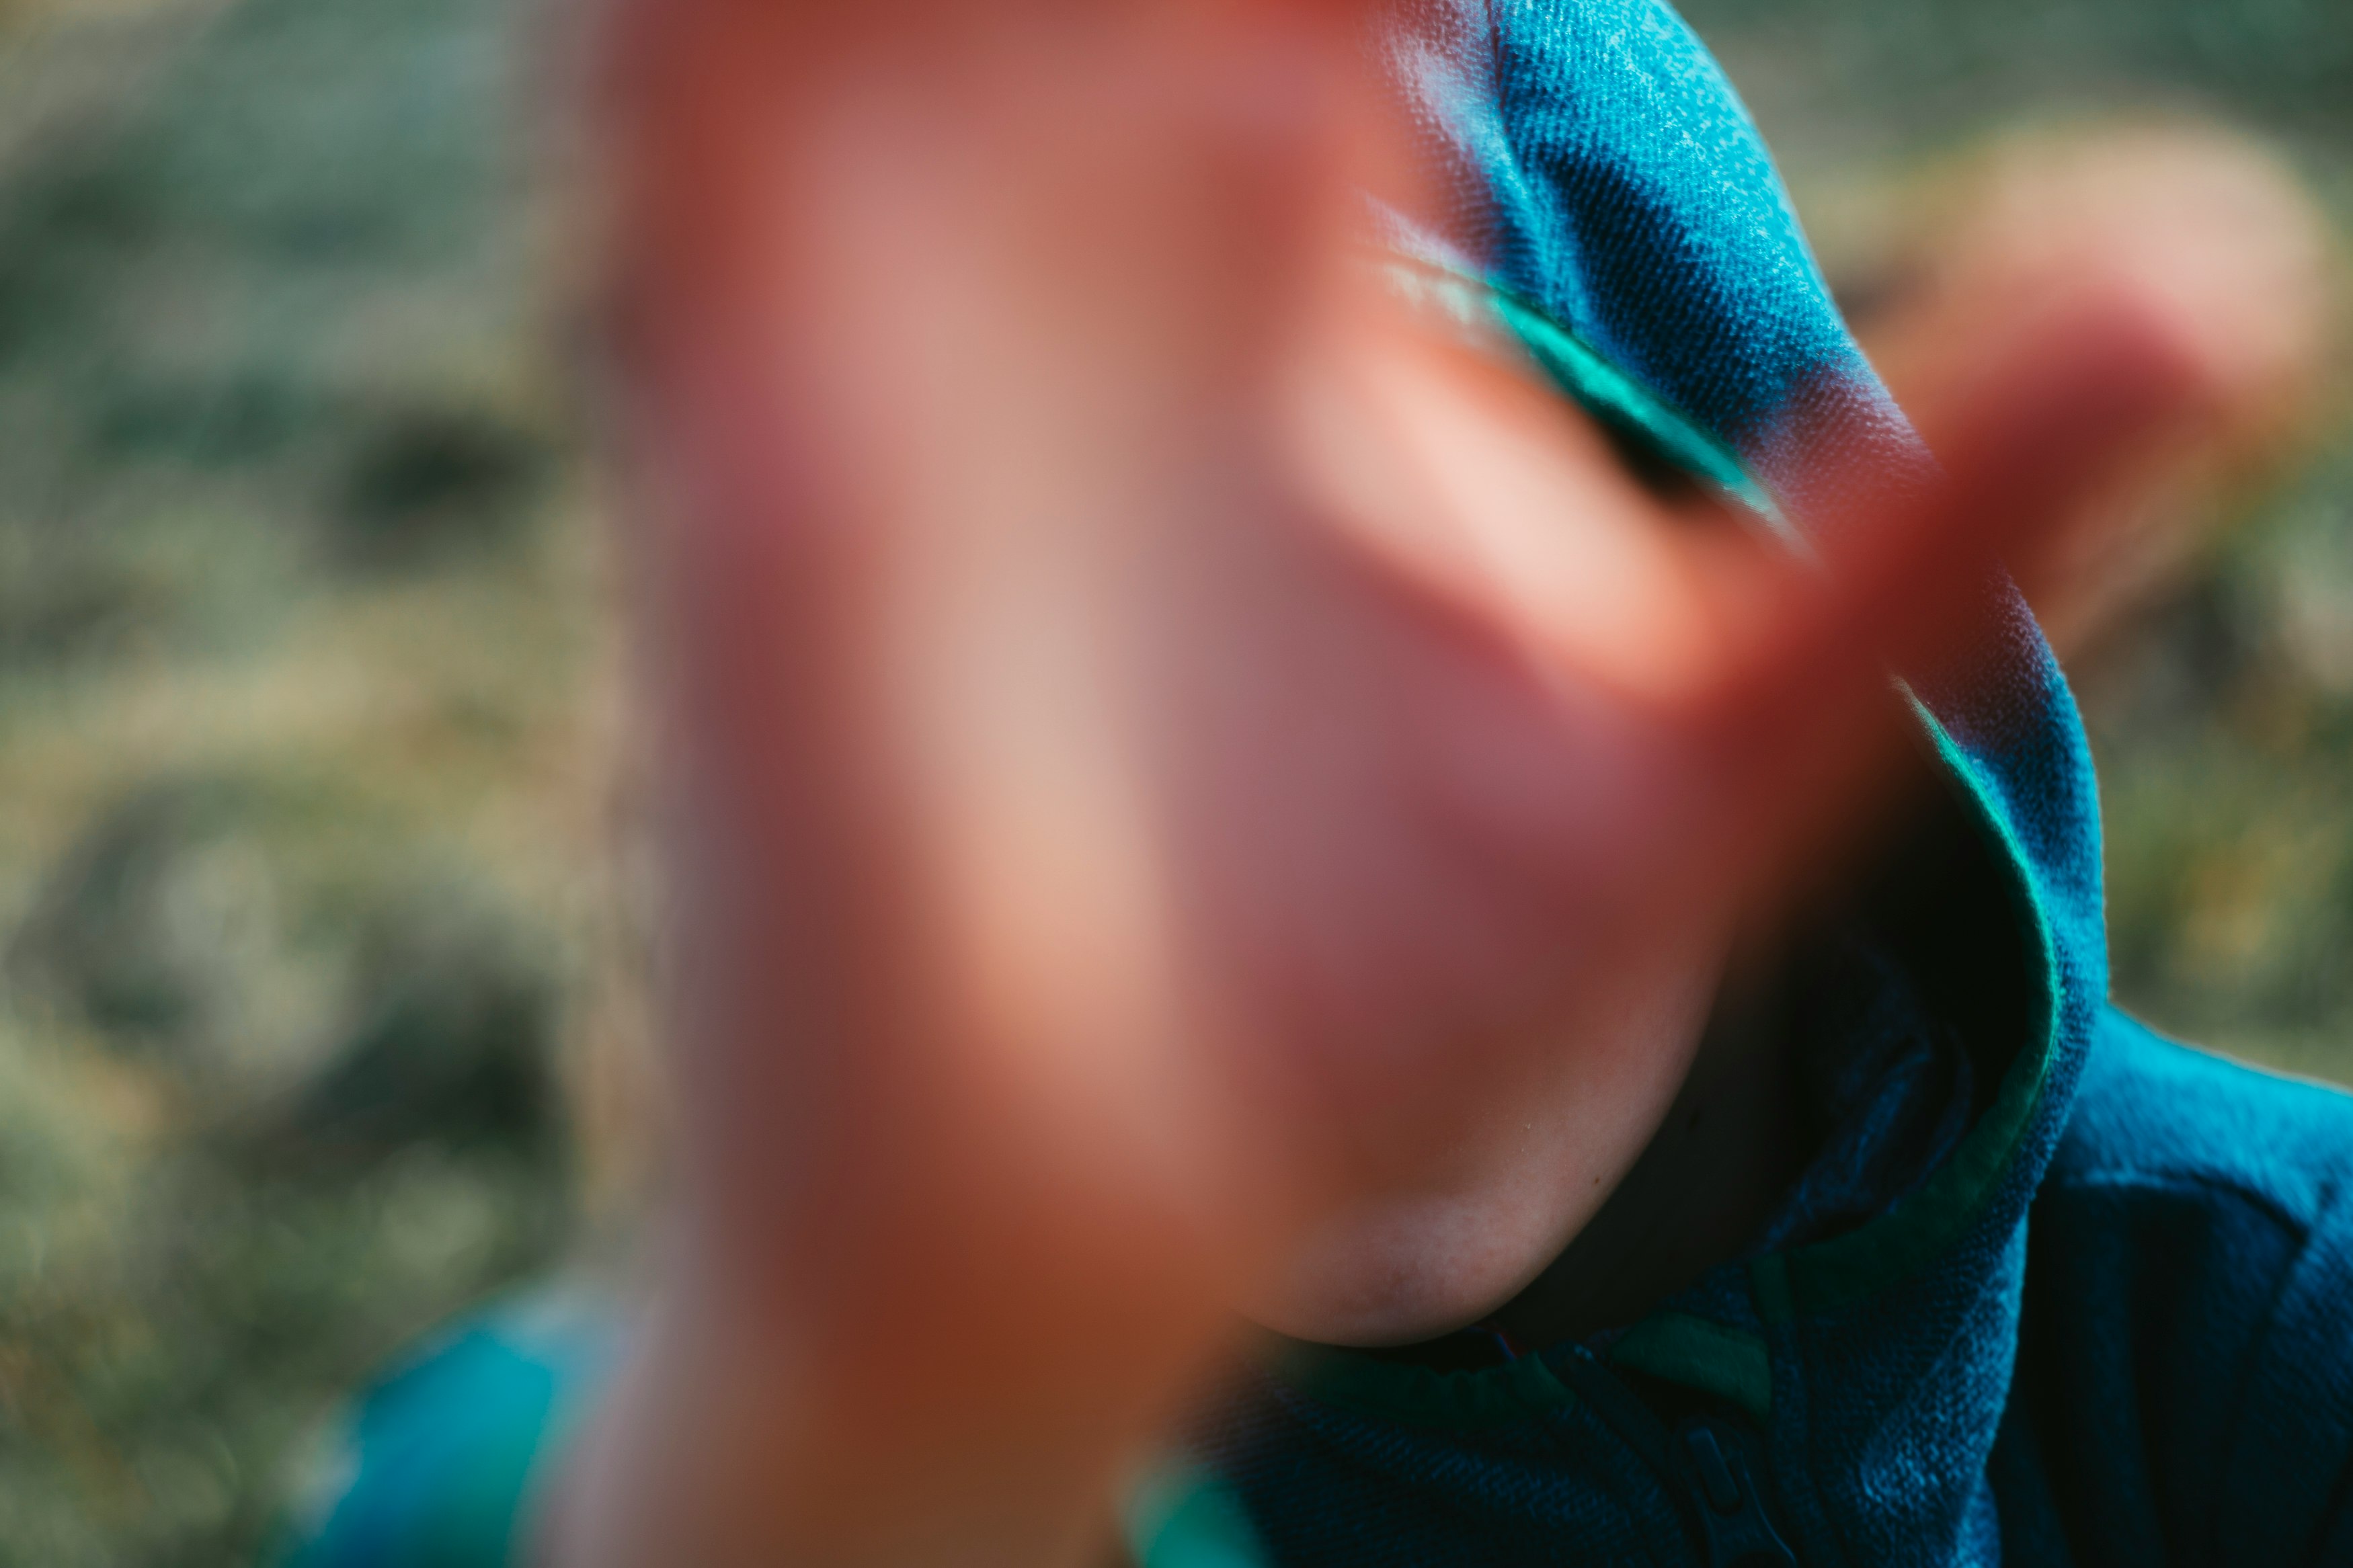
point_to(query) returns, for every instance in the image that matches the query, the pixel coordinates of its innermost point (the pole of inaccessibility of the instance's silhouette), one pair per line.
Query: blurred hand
(1167, 746)
(2014, 221)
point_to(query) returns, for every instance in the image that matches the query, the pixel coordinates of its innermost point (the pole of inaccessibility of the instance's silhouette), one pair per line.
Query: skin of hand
(1192, 790)
(2011, 225)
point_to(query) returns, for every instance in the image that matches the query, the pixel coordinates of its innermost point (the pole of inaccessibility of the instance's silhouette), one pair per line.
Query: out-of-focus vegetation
(299, 615)
(302, 653)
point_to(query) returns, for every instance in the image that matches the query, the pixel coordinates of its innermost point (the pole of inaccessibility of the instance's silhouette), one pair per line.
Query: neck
(1702, 1188)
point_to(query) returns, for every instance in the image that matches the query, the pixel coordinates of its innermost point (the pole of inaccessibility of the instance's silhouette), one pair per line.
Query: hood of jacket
(1836, 1398)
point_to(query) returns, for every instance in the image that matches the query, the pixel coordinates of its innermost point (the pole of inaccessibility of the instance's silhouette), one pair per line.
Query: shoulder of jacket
(2152, 1111)
(2193, 1259)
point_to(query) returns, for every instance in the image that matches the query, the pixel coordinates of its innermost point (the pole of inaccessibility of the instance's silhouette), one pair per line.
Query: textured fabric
(2184, 1390)
(1889, 1087)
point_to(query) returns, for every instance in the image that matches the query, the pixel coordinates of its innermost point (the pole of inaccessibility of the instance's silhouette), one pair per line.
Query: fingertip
(2196, 247)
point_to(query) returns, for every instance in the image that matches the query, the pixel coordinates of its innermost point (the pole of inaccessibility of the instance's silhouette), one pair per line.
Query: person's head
(1520, 894)
(1002, 614)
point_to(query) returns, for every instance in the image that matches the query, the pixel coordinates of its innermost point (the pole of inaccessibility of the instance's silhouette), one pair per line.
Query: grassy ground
(301, 685)
(298, 634)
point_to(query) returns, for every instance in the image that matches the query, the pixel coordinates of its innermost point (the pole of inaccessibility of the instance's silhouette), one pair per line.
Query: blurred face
(1571, 1024)
(1449, 1242)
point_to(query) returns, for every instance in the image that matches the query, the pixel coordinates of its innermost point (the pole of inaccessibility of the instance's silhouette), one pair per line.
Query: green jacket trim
(1697, 1352)
(1627, 410)
(1418, 1396)
(1180, 1515)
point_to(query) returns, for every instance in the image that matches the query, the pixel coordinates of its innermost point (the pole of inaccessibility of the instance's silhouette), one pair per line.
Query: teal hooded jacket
(2053, 1292)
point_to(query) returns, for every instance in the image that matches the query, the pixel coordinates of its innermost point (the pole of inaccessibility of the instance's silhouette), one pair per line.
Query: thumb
(2138, 337)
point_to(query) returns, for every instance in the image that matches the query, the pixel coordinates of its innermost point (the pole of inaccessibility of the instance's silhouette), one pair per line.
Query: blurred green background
(305, 680)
